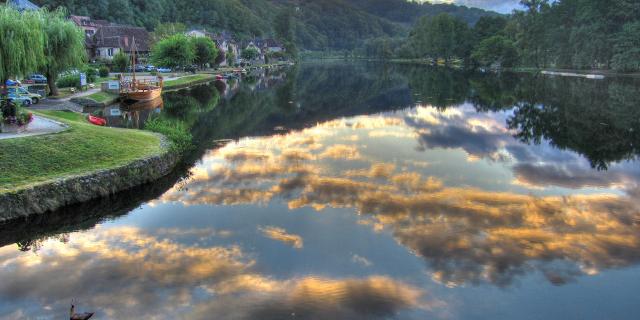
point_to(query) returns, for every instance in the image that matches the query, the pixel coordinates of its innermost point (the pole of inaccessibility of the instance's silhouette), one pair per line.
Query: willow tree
(63, 46)
(21, 42)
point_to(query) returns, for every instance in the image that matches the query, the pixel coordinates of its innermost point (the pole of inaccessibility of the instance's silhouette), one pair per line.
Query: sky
(502, 6)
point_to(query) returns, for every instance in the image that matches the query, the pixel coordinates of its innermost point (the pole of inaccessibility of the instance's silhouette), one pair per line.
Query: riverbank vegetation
(568, 34)
(81, 149)
(188, 80)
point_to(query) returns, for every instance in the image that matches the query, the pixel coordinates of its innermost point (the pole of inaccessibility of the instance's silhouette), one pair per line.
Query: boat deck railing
(127, 85)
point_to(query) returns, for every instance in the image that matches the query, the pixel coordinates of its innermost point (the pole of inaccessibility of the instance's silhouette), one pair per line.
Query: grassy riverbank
(81, 149)
(188, 81)
(103, 97)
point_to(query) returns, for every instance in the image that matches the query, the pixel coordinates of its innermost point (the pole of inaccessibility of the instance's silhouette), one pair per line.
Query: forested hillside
(577, 34)
(407, 12)
(319, 24)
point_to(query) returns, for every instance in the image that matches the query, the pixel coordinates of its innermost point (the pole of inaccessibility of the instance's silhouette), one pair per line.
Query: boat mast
(133, 59)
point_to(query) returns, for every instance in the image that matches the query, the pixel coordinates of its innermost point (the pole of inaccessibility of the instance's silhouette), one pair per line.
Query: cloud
(502, 6)
(479, 135)
(361, 260)
(464, 234)
(321, 298)
(569, 176)
(341, 151)
(281, 235)
(123, 273)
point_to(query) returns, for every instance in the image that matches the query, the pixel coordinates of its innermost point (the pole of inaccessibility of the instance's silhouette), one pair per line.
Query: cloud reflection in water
(125, 273)
(466, 234)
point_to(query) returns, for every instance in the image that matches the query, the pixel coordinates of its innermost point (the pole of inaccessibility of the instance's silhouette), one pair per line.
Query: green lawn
(100, 80)
(63, 93)
(187, 80)
(81, 149)
(102, 96)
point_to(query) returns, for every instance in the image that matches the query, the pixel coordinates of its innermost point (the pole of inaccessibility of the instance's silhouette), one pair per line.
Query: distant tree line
(314, 25)
(579, 34)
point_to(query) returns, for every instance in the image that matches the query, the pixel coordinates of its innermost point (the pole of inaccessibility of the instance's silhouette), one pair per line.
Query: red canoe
(219, 77)
(97, 121)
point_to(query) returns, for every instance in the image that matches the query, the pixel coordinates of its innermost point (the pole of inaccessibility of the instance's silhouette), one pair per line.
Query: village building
(22, 5)
(109, 40)
(199, 33)
(225, 42)
(90, 26)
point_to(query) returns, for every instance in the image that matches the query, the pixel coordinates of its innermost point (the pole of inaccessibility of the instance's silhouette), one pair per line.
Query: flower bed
(14, 118)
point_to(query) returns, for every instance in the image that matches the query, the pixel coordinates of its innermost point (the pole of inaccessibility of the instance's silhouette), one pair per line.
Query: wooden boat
(97, 120)
(139, 90)
(143, 105)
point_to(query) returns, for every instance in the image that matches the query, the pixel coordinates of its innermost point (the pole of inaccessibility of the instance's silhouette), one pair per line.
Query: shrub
(23, 116)
(120, 61)
(175, 131)
(91, 74)
(69, 81)
(103, 72)
(153, 72)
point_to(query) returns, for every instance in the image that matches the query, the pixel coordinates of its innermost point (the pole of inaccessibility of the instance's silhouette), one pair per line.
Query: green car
(21, 91)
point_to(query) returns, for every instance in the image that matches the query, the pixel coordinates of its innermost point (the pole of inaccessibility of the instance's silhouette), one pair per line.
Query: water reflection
(154, 274)
(357, 191)
(464, 232)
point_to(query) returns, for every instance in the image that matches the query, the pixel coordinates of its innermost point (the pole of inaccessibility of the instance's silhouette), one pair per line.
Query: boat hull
(142, 94)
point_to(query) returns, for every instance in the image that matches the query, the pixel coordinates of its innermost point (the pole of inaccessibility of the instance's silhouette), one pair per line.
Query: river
(359, 191)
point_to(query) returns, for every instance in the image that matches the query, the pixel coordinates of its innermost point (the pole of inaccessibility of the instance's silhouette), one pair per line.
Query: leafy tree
(21, 42)
(495, 50)
(231, 59)
(121, 61)
(175, 51)
(64, 46)
(205, 50)
(285, 30)
(489, 26)
(627, 48)
(250, 53)
(442, 36)
(220, 58)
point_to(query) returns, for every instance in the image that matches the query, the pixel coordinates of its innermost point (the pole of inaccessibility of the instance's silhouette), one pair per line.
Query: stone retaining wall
(50, 196)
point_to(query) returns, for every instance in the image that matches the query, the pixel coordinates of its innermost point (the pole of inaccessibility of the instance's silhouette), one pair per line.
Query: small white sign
(114, 85)
(116, 112)
(83, 79)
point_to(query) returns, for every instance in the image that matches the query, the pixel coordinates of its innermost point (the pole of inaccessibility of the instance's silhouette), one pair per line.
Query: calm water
(346, 191)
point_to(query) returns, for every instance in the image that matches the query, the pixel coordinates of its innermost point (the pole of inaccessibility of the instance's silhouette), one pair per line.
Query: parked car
(191, 68)
(150, 68)
(164, 70)
(21, 91)
(37, 78)
(11, 83)
(138, 68)
(19, 99)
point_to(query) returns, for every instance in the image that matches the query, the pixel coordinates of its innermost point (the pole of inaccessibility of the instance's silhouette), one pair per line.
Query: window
(110, 52)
